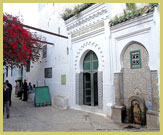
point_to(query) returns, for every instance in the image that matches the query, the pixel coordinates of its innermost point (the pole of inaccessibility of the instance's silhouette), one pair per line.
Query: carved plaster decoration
(81, 20)
(87, 29)
(86, 46)
(137, 91)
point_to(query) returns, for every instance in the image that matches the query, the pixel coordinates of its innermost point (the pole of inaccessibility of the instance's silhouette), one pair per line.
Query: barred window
(135, 59)
(48, 72)
(44, 51)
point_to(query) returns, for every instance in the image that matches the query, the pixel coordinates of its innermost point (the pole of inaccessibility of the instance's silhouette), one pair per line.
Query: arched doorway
(90, 77)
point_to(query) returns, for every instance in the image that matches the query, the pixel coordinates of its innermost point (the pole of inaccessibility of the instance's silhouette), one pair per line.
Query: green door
(90, 87)
(87, 89)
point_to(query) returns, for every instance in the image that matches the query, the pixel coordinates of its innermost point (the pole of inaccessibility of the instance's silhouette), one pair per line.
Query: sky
(27, 10)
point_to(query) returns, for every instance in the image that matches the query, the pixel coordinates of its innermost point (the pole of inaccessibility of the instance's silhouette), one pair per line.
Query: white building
(80, 70)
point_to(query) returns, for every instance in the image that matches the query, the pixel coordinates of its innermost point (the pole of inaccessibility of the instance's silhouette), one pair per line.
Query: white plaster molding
(86, 13)
(128, 36)
(83, 50)
(133, 22)
(133, 33)
(88, 35)
(129, 30)
(90, 16)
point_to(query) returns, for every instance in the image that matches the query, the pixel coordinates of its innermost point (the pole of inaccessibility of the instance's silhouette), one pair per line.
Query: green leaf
(131, 6)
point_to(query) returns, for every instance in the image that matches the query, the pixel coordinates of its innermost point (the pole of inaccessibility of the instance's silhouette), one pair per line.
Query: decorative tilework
(140, 81)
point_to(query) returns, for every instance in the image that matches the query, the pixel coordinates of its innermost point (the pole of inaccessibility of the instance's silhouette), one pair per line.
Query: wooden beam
(39, 41)
(37, 29)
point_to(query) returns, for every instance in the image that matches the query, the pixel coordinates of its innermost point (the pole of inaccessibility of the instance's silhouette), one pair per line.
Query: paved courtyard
(26, 117)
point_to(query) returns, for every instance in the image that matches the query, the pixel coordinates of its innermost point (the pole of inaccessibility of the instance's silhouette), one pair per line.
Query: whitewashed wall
(58, 56)
(144, 29)
(111, 42)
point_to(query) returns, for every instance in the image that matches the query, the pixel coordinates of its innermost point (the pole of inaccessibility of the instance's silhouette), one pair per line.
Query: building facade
(101, 68)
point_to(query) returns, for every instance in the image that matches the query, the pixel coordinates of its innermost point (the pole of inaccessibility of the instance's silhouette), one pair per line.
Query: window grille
(135, 59)
(48, 72)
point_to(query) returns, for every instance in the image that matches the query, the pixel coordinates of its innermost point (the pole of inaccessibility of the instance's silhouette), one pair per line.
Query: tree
(19, 44)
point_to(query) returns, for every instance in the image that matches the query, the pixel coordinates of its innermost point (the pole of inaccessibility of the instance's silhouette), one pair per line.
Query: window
(6, 71)
(48, 72)
(90, 62)
(135, 59)
(44, 51)
(28, 66)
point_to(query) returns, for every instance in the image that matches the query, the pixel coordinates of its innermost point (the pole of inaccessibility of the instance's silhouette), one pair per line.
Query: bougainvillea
(19, 44)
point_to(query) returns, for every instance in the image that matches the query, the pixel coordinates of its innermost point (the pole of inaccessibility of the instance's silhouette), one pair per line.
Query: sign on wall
(63, 79)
